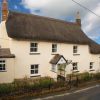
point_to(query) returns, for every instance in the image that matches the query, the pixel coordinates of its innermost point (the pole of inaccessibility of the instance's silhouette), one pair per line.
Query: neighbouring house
(37, 46)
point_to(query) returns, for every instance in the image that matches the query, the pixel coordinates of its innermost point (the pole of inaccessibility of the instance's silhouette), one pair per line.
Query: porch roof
(5, 53)
(56, 59)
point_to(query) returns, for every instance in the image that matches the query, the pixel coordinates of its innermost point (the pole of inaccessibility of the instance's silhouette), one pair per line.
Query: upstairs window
(75, 49)
(91, 65)
(75, 67)
(34, 69)
(2, 65)
(54, 48)
(33, 47)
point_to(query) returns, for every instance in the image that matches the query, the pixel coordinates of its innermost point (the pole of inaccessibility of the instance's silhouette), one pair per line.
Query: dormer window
(54, 48)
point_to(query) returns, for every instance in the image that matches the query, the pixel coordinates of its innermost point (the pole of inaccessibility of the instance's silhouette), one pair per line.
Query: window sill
(91, 70)
(75, 71)
(53, 71)
(35, 75)
(76, 54)
(34, 53)
(54, 53)
(3, 71)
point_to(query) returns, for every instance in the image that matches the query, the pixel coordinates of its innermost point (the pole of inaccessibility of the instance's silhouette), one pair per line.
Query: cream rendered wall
(4, 39)
(8, 75)
(23, 60)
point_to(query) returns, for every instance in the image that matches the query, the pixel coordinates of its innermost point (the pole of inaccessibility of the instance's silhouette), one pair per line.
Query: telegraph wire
(86, 8)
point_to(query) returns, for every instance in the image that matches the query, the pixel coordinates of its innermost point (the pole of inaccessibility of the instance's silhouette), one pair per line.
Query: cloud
(92, 23)
(65, 9)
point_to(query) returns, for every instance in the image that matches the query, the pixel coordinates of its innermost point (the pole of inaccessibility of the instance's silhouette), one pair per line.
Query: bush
(6, 88)
(86, 76)
(97, 76)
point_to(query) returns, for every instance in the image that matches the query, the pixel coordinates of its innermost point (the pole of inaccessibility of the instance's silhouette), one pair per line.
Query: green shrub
(97, 75)
(86, 76)
(6, 88)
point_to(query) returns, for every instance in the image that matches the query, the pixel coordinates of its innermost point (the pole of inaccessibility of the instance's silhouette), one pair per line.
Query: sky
(64, 10)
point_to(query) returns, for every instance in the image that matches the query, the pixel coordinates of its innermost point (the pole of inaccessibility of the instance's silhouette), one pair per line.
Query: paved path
(91, 93)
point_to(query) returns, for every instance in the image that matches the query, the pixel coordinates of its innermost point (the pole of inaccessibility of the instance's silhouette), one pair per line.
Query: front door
(61, 73)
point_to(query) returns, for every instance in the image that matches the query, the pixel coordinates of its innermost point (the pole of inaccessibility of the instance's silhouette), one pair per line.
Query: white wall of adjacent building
(8, 75)
(20, 67)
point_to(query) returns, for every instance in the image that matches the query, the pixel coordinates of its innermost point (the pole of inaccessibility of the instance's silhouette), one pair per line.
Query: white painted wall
(23, 60)
(4, 39)
(8, 75)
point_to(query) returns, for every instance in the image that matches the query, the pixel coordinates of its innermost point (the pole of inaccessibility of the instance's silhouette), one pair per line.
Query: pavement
(90, 93)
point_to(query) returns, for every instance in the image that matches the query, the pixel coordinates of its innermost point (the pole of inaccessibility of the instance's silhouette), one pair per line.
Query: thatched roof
(5, 53)
(34, 27)
(56, 58)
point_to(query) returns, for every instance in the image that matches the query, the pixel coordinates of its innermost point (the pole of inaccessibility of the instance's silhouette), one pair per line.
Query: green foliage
(86, 76)
(97, 76)
(26, 85)
(6, 88)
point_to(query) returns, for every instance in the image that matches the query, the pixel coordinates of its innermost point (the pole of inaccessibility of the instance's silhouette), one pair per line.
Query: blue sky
(65, 10)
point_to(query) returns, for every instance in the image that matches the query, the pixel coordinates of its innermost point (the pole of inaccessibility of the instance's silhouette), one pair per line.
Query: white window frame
(54, 48)
(75, 49)
(34, 47)
(91, 65)
(53, 67)
(75, 67)
(34, 69)
(2, 65)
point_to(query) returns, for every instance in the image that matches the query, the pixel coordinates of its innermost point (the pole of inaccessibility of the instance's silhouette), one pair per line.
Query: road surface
(91, 93)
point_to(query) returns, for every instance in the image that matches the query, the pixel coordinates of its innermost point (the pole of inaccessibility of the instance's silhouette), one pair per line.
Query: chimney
(4, 10)
(78, 19)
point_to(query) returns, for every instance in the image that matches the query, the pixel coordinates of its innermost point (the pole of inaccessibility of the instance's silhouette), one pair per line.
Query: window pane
(2, 65)
(33, 44)
(91, 67)
(3, 61)
(0, 68)
(33, 49)
(36, 71)
(36, 66)
(3, 68)
(74, 49)
(32, 71)
(54, 50)
(54, 47)
(75, 66)
(32, 66)
(0, 61)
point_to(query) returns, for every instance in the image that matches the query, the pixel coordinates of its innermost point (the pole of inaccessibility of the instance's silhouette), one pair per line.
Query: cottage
(37, 46)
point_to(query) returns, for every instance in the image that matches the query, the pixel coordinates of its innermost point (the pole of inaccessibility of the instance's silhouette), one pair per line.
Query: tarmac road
(91, 93)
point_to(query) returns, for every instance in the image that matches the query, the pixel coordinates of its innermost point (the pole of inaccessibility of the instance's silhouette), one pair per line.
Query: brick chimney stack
(4, 10)
(78, 18)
